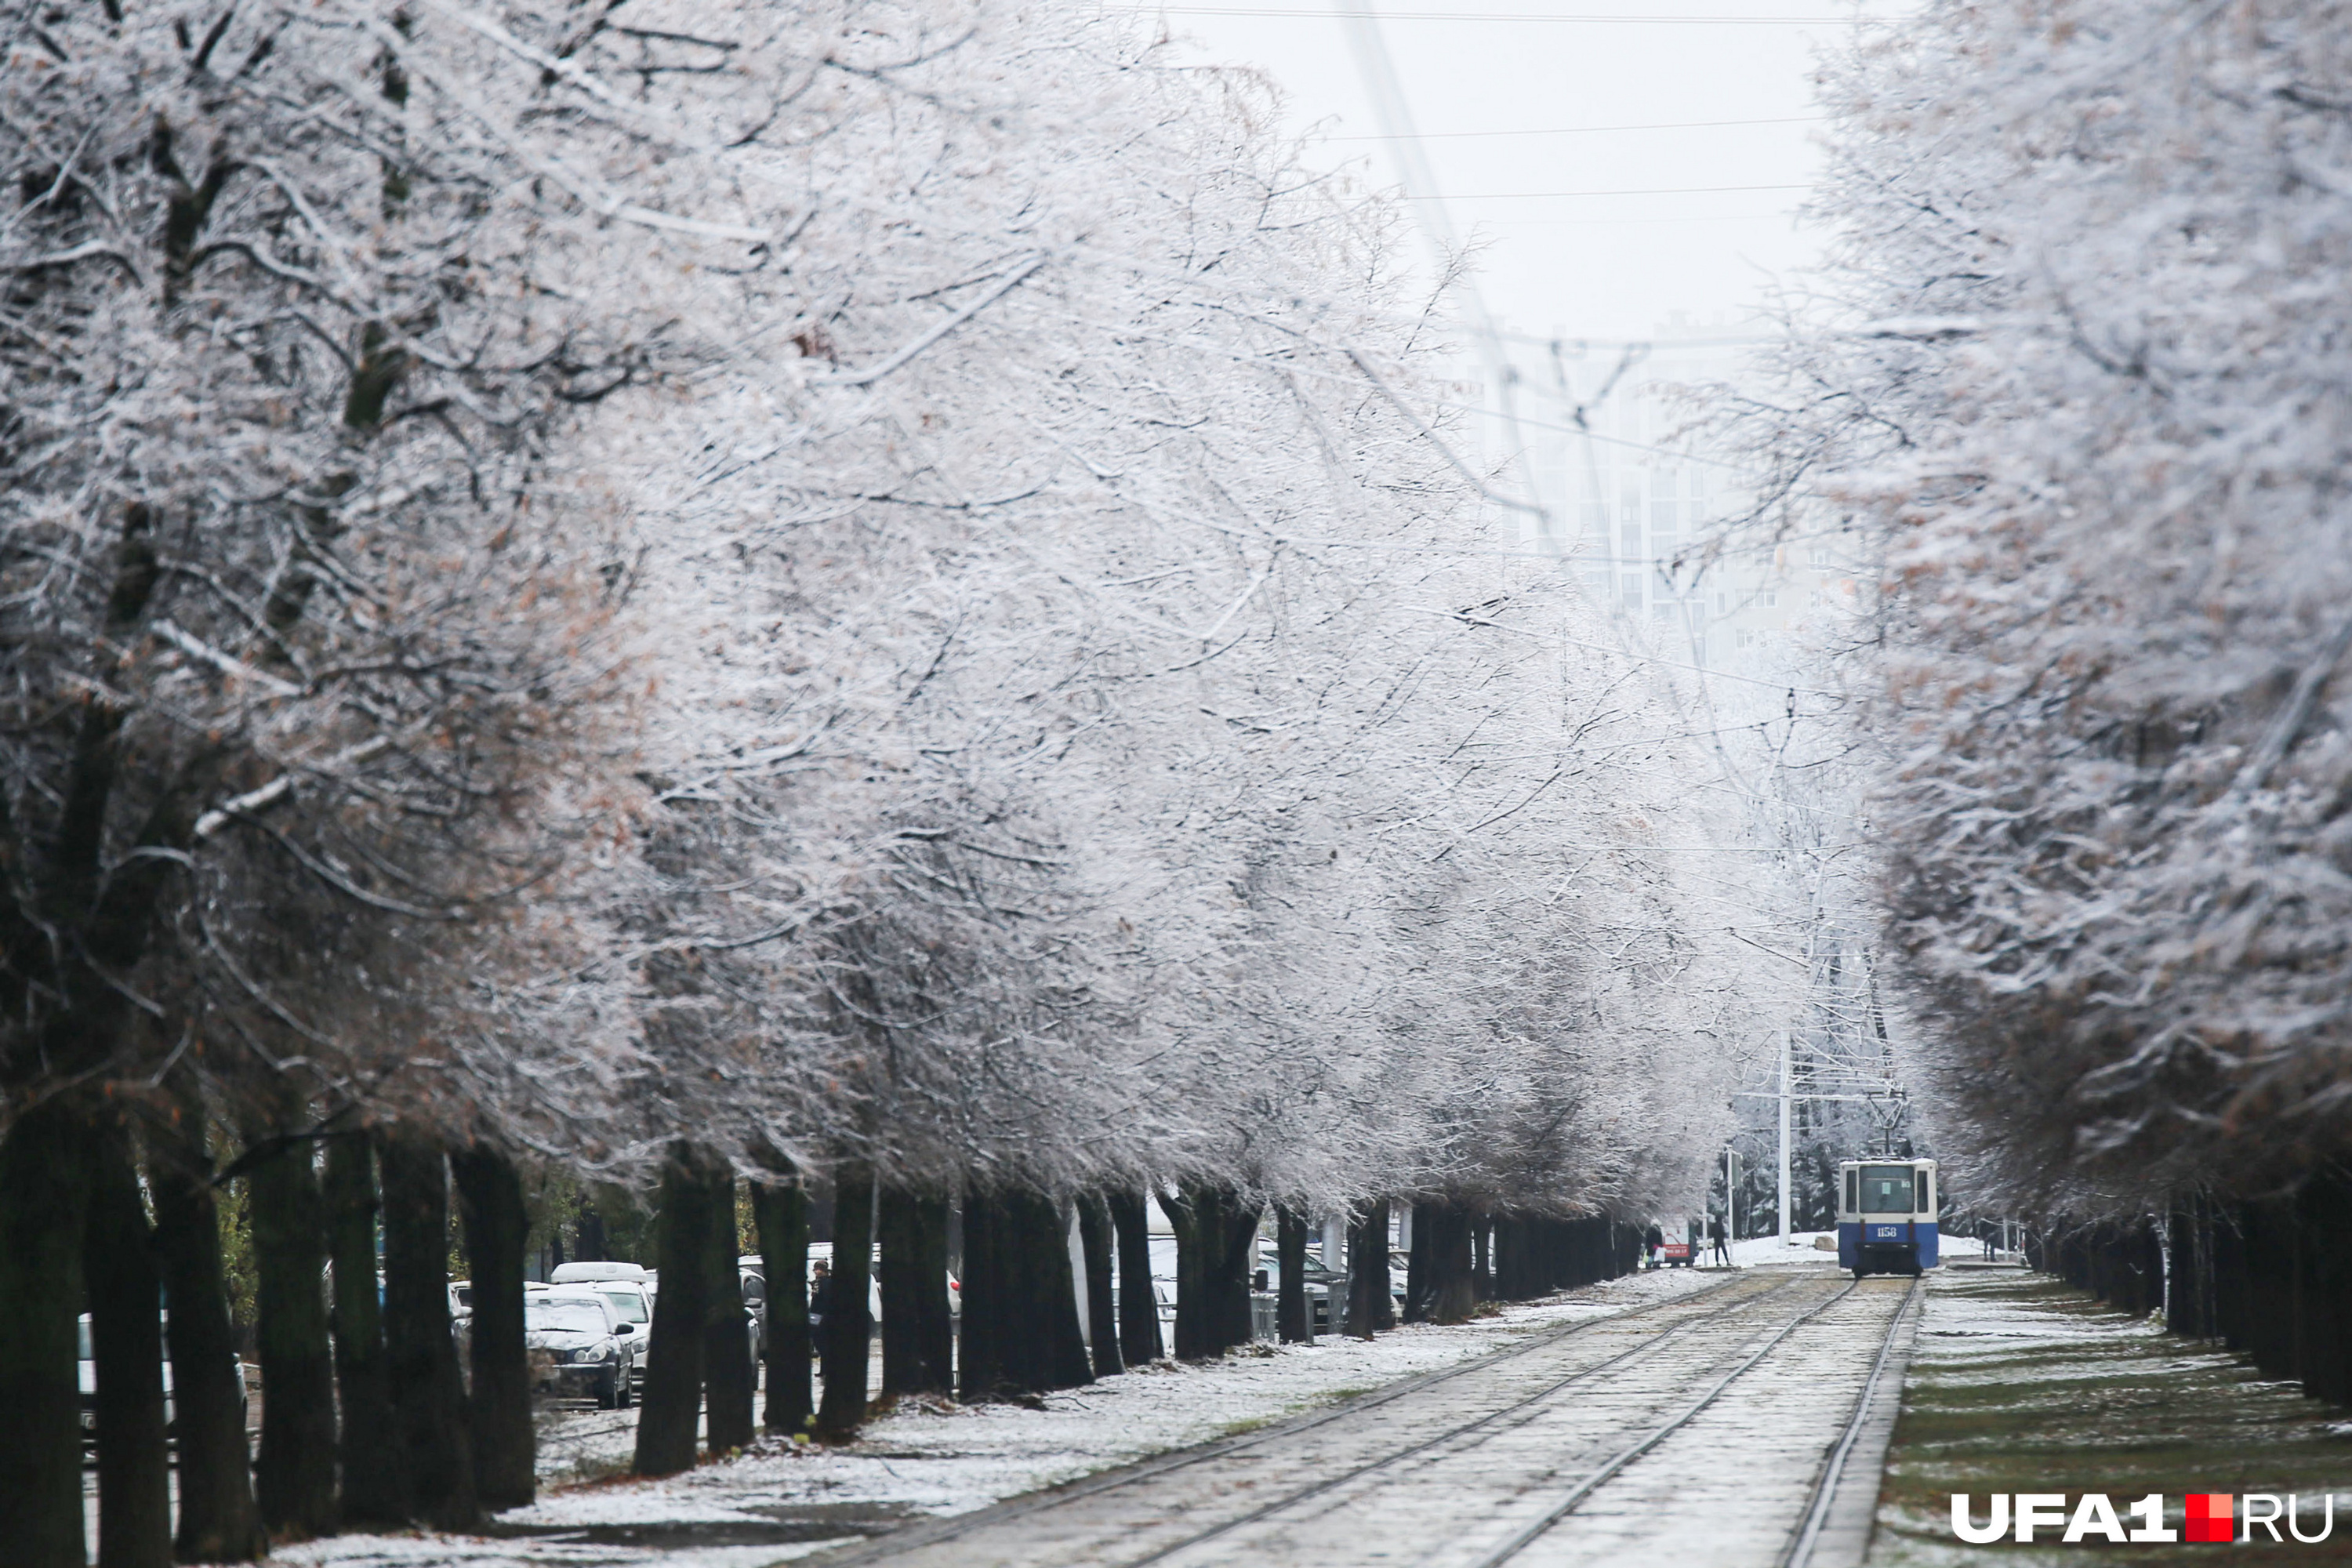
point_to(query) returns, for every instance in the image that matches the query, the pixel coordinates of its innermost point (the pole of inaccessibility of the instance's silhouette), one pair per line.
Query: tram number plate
(1885, 1233)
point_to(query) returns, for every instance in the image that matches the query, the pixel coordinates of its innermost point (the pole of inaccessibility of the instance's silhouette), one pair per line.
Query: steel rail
(929, 1534)
(1799, 1554)
(1332, 1482)
(1627, 1455)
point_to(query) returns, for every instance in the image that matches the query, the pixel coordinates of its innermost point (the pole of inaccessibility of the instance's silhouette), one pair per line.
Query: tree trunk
(726, 1330)
(781, 1210)
(1420, 1294)
(375, 1471)
(673, 1402)
(1213, 1237)
(218, 1520)
(935, 1330)
(1196, 1241)
(1102, 1317)
(985, 1284)
(497, 1230)
(1235, 1323)
(848, 1333)
(134, 1501)
(1291, 1320)
(1453, 1282)
(1370, 1308)
(41, 1219)
(1139, 1302)
(1052, 1351)
(294, 1478)
(912, 1231)
(428, 1391)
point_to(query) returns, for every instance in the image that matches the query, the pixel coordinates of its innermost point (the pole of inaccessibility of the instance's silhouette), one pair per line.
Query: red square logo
(2209, 1516)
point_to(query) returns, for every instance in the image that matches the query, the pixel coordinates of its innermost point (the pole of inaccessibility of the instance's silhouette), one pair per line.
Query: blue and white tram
(1887, 1215)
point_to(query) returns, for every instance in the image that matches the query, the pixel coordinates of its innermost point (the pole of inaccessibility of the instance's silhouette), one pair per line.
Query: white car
(629, 1299)
(590, 1349)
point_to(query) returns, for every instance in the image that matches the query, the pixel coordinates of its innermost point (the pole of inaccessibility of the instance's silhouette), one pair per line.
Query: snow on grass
(2018, 1384)
(937, 1457)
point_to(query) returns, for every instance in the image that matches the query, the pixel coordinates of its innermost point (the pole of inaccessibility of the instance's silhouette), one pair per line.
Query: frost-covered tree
(2080, 389)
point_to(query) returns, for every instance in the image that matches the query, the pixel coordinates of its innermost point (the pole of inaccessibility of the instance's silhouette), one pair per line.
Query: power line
(1591, 129)
(1574, 18)
(1645, 191)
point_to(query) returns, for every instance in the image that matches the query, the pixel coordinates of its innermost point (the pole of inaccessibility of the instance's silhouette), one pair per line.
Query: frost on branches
(862, 593)
(2084, 388)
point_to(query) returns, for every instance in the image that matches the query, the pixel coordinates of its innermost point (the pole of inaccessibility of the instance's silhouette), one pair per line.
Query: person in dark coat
(820, 1298)
(1652, 1239)
(1722, 1244)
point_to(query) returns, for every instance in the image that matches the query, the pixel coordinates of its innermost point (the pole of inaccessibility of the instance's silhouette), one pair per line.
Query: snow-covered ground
(1800, 1248)
(782, 1500)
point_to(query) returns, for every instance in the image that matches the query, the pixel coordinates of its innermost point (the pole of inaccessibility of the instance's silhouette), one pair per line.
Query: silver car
(581, 1346)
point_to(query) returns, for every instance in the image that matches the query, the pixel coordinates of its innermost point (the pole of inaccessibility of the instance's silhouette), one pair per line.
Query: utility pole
(1784, 1135)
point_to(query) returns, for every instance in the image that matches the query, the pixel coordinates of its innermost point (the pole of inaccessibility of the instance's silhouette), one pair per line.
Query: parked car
(598, 1273)
(629, 1299)
(1321, 1284)
(582, 1346)
(89, 1373)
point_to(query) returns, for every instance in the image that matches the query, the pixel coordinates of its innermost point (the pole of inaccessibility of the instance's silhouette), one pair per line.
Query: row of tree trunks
(1533, 1254)
(2271, 1278)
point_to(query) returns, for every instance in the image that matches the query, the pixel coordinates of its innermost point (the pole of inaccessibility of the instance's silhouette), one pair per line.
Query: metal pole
(1784, 1135)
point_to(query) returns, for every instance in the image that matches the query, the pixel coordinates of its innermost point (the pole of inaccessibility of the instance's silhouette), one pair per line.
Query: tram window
(1850, 1207)
(1926, 1191)
(1885, 1189)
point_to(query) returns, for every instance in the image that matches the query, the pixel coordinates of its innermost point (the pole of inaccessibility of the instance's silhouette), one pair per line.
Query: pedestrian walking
(1722, 1243)
(1652, 1239)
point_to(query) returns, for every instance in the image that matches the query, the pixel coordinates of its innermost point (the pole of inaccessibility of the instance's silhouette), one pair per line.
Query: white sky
(1613, 266)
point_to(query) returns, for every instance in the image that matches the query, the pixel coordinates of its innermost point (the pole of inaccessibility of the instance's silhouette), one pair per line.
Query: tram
(1887, 1215)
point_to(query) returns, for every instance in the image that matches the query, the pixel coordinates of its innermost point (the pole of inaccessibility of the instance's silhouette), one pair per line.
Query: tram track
(1755, 1389)
(1830, 1485)
(1492, 1418)
(1584, 1489)
(920, 1538)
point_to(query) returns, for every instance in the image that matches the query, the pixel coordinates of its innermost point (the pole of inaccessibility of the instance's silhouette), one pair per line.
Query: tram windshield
(1886, 1189)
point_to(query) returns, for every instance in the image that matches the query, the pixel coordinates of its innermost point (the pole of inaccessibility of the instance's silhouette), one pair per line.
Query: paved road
(1700, 1425)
